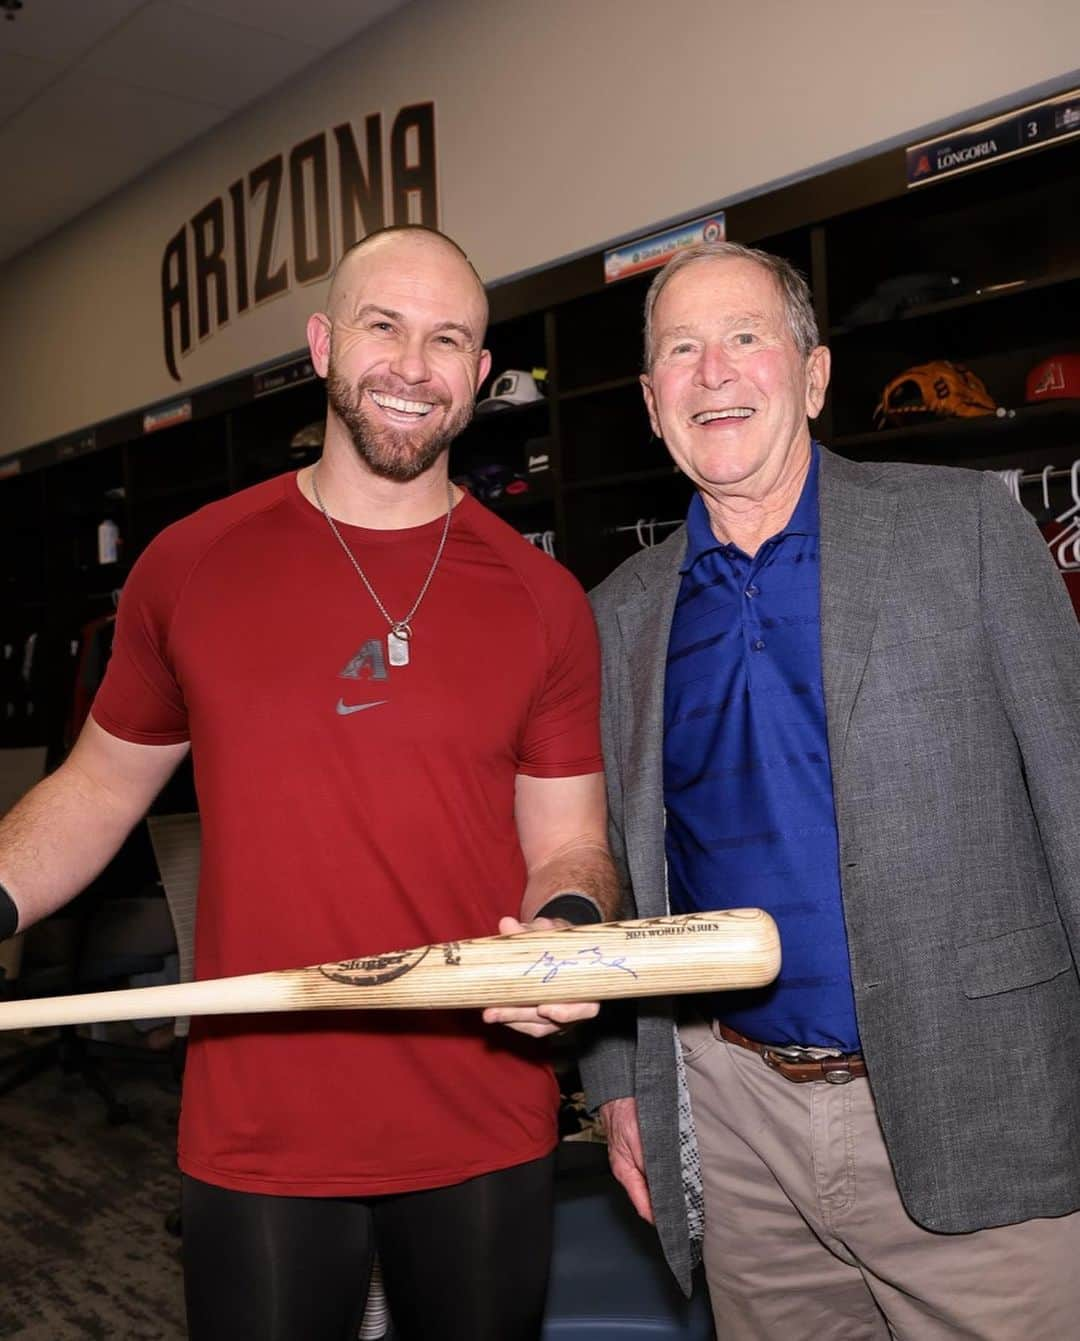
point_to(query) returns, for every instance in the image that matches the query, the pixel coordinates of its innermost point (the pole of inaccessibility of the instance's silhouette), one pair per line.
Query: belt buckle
(792, 1052)
(776, 1055)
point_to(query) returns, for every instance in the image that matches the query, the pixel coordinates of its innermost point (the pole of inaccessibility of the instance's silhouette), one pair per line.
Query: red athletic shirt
(347, 812)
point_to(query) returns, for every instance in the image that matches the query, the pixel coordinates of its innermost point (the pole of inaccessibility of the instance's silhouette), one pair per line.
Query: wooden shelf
(609, 481)
(979, 298)
(1026, 420)
(155, 493)
(483, 419)
(599, 388)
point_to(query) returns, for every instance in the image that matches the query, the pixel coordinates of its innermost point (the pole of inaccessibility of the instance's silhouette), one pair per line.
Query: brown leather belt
(798, 1064)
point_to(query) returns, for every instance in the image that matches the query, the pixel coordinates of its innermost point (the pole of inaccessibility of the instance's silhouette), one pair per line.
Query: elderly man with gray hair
(849, 694)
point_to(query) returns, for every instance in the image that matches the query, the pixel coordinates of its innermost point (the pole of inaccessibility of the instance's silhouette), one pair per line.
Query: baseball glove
(938, 390)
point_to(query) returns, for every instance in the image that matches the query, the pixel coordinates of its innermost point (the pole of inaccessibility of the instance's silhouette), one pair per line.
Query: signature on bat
(593, 957)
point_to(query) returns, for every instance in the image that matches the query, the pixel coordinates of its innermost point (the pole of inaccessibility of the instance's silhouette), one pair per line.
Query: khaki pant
(806, 1238)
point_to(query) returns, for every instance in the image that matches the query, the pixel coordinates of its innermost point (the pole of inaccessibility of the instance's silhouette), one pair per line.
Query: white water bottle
(108, 542)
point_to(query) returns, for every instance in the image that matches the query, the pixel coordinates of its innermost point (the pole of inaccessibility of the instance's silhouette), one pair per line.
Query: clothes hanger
(1046, 514)
(645, 529)
(1011, 479)
(1065, 546)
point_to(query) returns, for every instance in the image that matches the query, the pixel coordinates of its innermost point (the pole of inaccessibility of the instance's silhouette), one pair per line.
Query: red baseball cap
(1055, 378)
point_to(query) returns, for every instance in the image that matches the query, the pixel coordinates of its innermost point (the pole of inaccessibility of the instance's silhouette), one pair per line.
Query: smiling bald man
(391, 700)
(401, 348)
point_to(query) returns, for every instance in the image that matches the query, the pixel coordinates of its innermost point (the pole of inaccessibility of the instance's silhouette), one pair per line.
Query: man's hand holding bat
(572, 880)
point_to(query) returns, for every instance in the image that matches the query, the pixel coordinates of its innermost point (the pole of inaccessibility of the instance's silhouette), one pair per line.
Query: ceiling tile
(209, 59)
(93, 93)
(60, 30)
(21, 77)
(327, 24)
(99, 136)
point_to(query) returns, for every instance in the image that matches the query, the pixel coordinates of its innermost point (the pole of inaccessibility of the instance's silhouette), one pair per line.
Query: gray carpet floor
(84, 1255)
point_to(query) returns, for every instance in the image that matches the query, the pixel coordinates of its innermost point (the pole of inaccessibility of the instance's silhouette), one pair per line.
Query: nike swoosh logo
(343, 708)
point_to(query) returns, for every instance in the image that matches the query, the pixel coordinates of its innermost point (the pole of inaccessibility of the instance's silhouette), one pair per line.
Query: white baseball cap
(510, 388)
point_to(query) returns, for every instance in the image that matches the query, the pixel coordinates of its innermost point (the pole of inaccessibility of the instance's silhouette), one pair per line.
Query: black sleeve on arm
(9, 915)
(577, 909)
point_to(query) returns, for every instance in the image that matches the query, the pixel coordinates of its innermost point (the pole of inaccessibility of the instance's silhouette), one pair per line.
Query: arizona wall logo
(290, 218)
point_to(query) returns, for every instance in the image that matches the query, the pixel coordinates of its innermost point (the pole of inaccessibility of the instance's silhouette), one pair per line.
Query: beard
(392, 454)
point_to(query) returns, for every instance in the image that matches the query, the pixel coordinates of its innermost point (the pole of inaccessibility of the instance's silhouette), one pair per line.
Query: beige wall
(559, 127)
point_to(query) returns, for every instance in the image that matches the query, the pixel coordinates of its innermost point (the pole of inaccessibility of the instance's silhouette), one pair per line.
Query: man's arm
(565, 828)
(562, 828)
(65, 830)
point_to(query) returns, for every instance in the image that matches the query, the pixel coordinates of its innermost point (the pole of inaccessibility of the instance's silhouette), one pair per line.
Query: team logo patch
(369, 663)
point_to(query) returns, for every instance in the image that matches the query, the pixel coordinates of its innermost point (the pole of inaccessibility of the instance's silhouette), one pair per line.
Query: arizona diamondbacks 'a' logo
(1053, 379)
(377, 969)
(368, 664)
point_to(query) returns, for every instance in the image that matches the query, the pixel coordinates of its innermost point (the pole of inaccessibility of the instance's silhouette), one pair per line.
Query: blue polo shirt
(747, 779)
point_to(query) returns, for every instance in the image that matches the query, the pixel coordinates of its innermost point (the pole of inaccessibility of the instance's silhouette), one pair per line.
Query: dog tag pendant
(397, 645)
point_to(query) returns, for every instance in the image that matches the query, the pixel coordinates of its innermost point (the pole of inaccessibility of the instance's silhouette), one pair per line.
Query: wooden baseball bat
(656, 956)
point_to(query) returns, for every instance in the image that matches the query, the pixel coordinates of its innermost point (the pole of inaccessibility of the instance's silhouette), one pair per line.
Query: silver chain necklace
(397, 640)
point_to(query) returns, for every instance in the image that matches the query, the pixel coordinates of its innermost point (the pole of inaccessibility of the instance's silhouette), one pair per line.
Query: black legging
(461, 1263)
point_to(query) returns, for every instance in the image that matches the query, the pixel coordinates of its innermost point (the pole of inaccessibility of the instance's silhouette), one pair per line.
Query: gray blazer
(951, 665)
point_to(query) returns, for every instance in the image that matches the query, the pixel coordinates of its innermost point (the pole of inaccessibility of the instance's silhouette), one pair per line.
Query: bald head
(405, 245)
(401, 345)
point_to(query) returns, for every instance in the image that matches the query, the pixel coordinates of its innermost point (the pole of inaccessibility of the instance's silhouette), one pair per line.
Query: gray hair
(794, 290)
